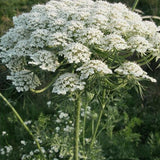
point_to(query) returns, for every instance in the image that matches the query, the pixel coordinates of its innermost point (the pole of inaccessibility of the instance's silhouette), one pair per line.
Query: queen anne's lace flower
(58, 39)
(46, 60)
(92, 67)
(73, 29)
(114, 42)
(76, 52)
(139, 44)
(39, 38)
(131, 68)
(24, 80)
(67, 82)
(90, 36)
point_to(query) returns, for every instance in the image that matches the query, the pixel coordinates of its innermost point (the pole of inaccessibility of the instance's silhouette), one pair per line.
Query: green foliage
(10, 8)
(129, 124)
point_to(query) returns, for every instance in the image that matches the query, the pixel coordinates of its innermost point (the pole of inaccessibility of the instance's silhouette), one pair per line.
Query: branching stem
(23, 124)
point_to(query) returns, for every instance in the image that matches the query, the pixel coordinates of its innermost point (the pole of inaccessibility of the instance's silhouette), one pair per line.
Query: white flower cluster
(139, 44)
(6, 150)
(70, 29)
(114, 42)
(24, 80)
(67, 82)
(92, 67)
(131, 68)
(46, 60)
(76, 52)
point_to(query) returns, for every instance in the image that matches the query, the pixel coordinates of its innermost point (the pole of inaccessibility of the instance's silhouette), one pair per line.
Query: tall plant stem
(135, 5)
(103, 104)
(76, 127)
(23, 124)
(84, 120)
(97, 126)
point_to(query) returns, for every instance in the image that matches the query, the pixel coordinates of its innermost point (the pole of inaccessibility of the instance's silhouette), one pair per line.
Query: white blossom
(131, 68)
(46, 60)
(69, 30)
(76, 52)
(58, 39)
(93, 66)
(139, 44)
(114, 42)
(24, 80)
(4, 133)
(23, 142)
(90, 36)
(8, 149)
(39, 38)
(67, 82)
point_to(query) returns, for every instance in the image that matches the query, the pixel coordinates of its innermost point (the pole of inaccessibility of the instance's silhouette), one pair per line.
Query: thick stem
(23, 124)
(76, 127)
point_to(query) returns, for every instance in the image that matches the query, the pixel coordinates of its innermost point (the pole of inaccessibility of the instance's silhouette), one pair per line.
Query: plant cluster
(92, 52)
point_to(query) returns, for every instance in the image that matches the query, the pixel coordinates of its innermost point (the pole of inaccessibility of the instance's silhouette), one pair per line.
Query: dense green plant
(93, 63)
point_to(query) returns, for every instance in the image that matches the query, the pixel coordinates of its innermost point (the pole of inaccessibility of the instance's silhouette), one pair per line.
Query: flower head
(93, 66)
(131, 68)
(67, 82)
(76, 52)
(45, 59)
(68, 30)
(24, 80)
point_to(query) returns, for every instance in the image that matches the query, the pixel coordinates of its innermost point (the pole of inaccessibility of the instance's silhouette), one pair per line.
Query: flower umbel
(92, 67)
(131, 68)
(67, 82)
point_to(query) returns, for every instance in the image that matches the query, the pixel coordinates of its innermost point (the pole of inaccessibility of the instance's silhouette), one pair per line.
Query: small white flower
(2, 151)
(57, 129)
(8, 148)
(4, 133)
(31, 153)
(28, 122)
(90, 36)
(49, 104)
(23, 142)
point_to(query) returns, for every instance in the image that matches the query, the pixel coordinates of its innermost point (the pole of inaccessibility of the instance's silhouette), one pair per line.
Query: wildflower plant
(89, 50)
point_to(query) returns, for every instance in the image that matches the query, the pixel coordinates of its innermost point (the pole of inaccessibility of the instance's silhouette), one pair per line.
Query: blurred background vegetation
(144, 112)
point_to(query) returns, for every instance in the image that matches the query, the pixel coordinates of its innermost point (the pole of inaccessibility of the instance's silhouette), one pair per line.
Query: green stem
(22, 122)
(45, 88)
(97, 126)
(76, 126)
(135, 4)
(103, 103)
(147, 61)
(84, 121)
